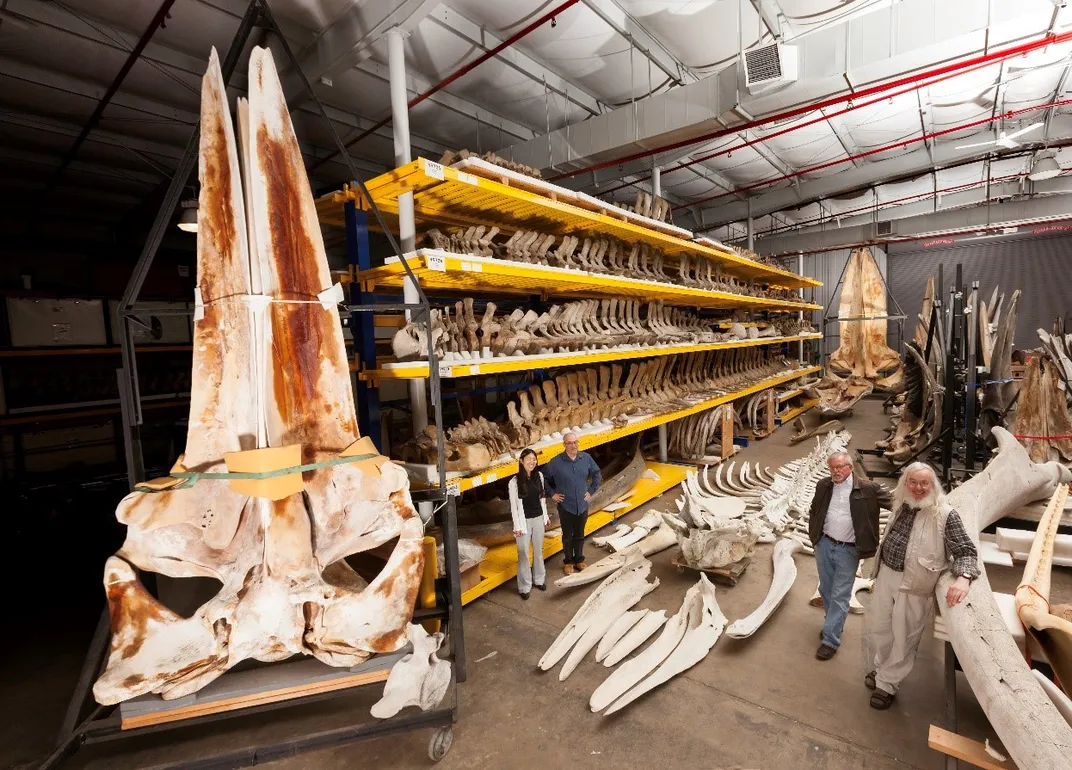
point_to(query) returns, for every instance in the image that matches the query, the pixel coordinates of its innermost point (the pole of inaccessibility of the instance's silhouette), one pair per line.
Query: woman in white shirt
(528, 508)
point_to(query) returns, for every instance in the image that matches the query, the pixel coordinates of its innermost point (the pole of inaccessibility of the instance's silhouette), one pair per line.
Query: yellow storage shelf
(447, 196)
(792, 414)
(500, 562)
(444, 271)
(415, 370)
(460, 484)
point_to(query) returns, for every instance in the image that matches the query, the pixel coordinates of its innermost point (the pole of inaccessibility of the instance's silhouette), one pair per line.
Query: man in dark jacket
(573, 477)
(843, 526)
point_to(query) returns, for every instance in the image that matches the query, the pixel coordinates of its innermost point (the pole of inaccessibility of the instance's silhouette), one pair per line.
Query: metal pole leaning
(129, 382)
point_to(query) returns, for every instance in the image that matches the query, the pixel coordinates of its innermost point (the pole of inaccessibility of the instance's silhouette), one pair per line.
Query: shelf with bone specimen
(600, 404)
(467, 342)
(442, 270)
(531, 222)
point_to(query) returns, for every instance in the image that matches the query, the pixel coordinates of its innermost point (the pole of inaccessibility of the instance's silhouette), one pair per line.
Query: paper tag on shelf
(467, 178)
(472, 267)
(436, 262)
(453, 489)
(446, 370)
(490, 478)
(433, 169)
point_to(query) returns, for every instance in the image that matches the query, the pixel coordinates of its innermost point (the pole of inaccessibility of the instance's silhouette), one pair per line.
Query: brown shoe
(869, 680)
(579, 566)
(567, 568)
(825, 652)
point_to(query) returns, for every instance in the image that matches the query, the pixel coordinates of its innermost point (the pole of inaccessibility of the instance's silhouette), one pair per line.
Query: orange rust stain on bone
(131, 607)
(220, 271)
(410, 566)
(402, 507)
(300, 333)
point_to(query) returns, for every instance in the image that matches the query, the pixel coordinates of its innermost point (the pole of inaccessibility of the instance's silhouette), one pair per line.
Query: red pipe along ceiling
(1040, 227)
(909, 80)
(876, 150)
(877, 207)
(821, 119)
(490, 54)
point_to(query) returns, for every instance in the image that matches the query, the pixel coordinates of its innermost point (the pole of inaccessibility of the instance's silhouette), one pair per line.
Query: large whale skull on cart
(270, 390)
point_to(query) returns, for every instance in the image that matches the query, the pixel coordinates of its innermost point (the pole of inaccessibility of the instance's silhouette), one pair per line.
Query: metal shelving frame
(86, 724)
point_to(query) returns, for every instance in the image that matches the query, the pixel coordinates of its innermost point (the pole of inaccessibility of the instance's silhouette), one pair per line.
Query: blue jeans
(837, 571)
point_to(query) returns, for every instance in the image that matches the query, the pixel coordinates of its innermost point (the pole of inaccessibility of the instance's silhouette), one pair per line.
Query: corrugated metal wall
(827, 267)
(1041, 267)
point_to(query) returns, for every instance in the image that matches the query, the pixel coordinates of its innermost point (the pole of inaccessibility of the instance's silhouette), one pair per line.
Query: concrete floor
(765, 702)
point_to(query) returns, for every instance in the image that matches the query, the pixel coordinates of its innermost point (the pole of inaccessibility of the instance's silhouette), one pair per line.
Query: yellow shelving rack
(481, 194)
(447, 196)
(445, 271)
(504, 470)
(416, 370)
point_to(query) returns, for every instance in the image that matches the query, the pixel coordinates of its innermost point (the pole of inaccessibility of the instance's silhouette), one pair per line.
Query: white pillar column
(657, 191)
(407, 228)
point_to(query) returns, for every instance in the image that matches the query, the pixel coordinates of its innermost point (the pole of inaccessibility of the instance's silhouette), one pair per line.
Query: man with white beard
(923, 538)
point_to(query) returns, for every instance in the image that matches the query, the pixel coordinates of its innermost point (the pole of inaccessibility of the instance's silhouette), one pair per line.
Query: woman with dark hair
(528, 509)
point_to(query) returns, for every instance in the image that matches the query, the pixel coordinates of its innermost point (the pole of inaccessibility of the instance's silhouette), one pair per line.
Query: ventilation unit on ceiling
(769, 66)
(885, 228)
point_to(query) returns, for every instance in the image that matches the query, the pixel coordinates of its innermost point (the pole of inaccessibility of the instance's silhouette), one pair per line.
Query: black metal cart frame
(85, 723)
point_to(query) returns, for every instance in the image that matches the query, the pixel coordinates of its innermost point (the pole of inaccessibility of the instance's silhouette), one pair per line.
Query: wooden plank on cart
(973, 752)
(256, 687)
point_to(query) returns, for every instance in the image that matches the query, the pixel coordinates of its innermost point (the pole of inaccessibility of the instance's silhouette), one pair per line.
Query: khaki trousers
(896, 621)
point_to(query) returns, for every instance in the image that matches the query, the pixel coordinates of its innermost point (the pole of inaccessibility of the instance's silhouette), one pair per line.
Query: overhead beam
(964, 219)
(834, 121)
(538, 72)
(54, 161)
(185, 67)
(348, 40)
(417, 84)
(915, 163)
(625, 25)
(35, 75)
(771, 14)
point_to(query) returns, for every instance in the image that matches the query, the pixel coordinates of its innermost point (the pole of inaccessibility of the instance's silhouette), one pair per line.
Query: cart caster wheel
(442, 739)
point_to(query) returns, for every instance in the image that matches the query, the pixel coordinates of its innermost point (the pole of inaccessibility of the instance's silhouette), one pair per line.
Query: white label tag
(490, 478)
(433, 169)
(453, 489)
(467, 178)
(331, 296)
(446, 370)
(436, 262)
(474, 370)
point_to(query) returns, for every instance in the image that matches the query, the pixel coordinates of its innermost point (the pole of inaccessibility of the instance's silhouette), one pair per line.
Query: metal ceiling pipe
(464, 70)
(822, 219)
(823, 118)
(875, 151)
(991, 57)
(135, 53)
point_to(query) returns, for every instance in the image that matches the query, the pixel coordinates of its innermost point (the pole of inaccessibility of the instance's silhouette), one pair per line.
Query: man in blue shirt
(573, 477)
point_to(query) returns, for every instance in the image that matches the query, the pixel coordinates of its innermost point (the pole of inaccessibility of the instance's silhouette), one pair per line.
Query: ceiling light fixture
(1045, 167)
(188, 217)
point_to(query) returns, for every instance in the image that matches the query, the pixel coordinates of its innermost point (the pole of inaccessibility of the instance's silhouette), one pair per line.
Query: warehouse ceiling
(97, 99)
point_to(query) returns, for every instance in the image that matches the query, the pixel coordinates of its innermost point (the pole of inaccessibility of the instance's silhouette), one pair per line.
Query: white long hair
(933, 502)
